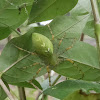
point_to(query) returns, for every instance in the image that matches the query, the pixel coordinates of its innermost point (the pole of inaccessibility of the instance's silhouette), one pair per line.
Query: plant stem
(36, 87)
(82, 37)
(22, 93)
(9, 38)
(39, 93)
(97, 24)
(6, 90)
(95, 11)
(56, 80)
(44, 97)
(21, 90)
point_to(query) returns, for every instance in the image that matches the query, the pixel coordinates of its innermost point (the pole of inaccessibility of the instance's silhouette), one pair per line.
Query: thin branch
(15, 63)
(22, 94)
(14, 94)
(39, 93)
(9, 38)
(82, 37)
(97, 24)
(6, 90)
(95, 11)
(35, 87)
(55, 81)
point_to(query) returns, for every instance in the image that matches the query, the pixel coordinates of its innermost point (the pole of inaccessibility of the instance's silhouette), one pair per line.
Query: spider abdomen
(42, 45)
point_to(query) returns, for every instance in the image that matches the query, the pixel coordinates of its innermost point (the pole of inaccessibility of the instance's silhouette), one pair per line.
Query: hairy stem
(97, 24)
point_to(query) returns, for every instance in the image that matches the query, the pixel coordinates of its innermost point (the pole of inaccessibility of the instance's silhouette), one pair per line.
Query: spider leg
(74, 64)
(71, 61)
(37, 72)
(68, 47)
(24, 50)
(49, 72)
(51, 32)
(60, 41)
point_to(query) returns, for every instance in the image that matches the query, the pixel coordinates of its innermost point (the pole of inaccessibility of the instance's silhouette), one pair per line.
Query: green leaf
(27, 84)
(83, 53)
(89, 28)
(21, 65)
(2, 94)
(85, 66)
(45, 83)
(12, 15)
(37, 84)
(15, 56)
(80, 95)
(83, 7)
(79, 10)
(43, 10)
(66, 88)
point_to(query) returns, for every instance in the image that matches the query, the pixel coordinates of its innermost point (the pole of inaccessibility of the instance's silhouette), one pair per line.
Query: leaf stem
(56, 80)
(6, 90)
(22, 93)
(96, 15)
(95, 11)
(35, 87)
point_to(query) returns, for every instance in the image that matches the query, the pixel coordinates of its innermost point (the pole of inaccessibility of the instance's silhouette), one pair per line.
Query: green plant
(55, 46)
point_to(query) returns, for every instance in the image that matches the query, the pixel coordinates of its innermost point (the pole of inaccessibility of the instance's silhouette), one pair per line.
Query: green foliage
(89, 28)
(43, 10)
(24, 58)
(2, 94)
(12, 15)
(27, 84)
(85, 66)
(79, 95)
(21, 62)
(67, 88)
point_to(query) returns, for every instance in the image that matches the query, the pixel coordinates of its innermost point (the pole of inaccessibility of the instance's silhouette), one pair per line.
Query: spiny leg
(60, 41)
(24, 50)
(68, 47)
(71, 45)
(71, 61)
(49, 72)
(53, 37)
(74, 64)
(37, 72)
(51, 31)
(32, 65)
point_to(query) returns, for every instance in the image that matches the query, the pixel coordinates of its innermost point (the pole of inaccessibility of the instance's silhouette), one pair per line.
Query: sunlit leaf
(12, 15)
(43, 10)
(67, 88)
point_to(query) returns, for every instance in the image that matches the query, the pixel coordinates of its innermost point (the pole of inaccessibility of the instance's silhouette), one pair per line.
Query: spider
(33, 60)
